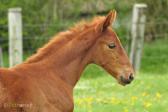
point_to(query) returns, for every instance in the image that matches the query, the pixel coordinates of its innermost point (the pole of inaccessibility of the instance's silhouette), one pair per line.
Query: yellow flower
(158, 95)
(125, 109)
(115, 101)
(133, 99)
(99, 100)
(144, 94)
(89, 100)
(147, 104)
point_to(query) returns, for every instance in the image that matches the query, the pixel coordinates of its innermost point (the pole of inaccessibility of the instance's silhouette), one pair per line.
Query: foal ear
(110, 18)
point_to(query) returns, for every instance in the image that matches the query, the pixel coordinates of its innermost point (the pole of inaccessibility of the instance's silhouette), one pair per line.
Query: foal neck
(67, 57)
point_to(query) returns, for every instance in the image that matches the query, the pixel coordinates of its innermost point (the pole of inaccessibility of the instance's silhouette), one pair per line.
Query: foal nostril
(128, 80)
(131, 77)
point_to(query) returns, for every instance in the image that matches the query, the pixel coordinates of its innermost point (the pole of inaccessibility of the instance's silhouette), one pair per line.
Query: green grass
(147, 93)
(155, 57)
(99, 92)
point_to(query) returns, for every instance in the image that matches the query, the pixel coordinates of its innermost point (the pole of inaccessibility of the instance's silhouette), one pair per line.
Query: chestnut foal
(45, 81)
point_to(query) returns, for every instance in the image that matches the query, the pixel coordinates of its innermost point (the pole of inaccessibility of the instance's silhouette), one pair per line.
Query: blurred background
(97, 91)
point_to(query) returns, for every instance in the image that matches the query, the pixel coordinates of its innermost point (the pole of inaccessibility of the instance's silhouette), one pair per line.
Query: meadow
(97, 91)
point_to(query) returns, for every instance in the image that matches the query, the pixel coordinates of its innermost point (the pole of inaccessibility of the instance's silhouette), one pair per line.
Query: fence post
(137, 33)
(15, 36)
(1, 57)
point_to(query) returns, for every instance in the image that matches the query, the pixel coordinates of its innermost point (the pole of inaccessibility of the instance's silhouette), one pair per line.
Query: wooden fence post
(1, 57)
(15, 36)
(137, 33)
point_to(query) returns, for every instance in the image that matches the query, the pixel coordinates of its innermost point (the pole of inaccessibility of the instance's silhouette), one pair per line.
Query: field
(99, 92)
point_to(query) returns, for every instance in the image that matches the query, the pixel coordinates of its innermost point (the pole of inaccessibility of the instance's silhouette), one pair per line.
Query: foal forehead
(111, 35)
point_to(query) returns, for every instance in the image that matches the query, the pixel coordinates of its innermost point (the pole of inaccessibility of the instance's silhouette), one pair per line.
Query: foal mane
(62, 38)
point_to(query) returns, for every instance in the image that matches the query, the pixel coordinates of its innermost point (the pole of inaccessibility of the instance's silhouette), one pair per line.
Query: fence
(1, 57)
(137, 33)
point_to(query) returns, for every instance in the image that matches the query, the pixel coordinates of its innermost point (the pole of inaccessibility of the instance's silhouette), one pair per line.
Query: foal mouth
(123, 81)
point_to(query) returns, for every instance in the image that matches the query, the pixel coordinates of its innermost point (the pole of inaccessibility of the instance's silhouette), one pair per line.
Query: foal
(45, 81)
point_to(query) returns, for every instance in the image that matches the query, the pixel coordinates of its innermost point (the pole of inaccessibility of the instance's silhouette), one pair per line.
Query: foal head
(109, 53)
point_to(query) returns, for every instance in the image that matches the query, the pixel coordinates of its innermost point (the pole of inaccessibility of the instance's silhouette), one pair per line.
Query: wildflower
(158, 95)
(99, 100)
(115, 101)
(133, 99)
(89, 100)
(147, 104)
(144, 94)
(125, 109)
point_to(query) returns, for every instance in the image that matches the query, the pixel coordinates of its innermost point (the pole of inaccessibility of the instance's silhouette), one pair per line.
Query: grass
(99, 92)
(155, 57)
(147, 93)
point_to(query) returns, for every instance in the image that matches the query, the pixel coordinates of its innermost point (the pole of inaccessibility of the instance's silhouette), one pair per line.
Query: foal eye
(111, 45)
